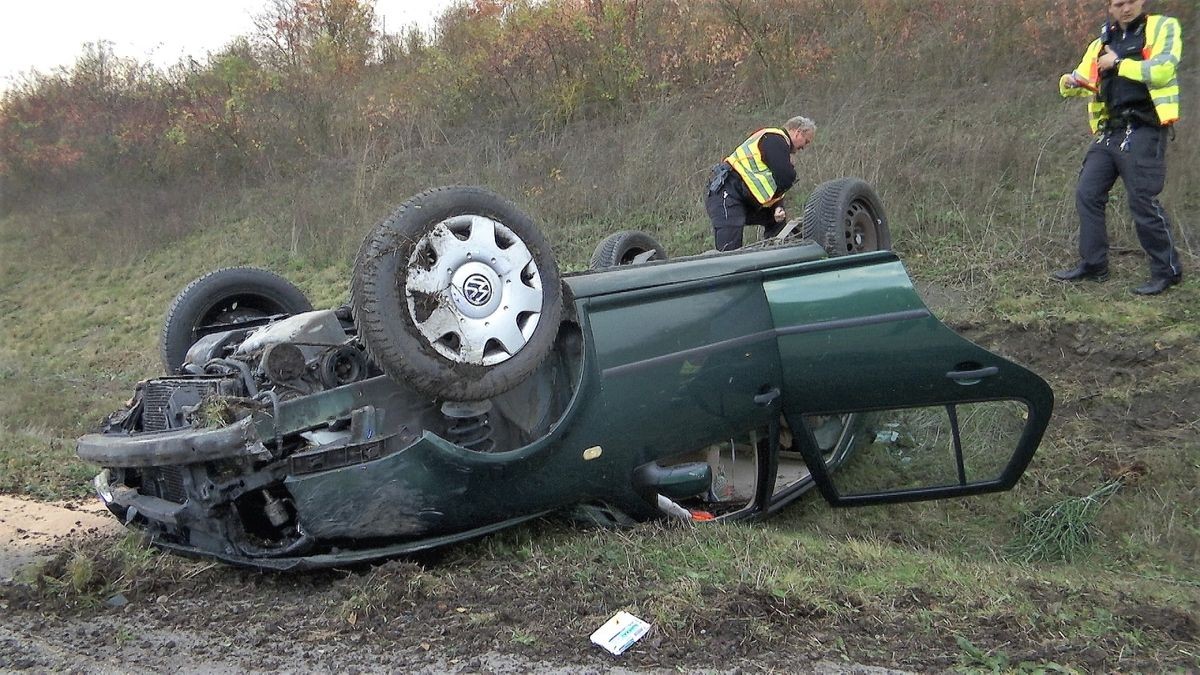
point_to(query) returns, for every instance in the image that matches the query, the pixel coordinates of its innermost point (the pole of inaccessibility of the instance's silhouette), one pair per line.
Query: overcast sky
(44, 34)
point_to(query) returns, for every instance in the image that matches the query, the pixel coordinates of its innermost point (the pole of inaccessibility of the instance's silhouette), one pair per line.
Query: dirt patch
(216, 619)
(1147, 419)
(1086, 367)
(1170, 622)
(441, 614)
(1080, 354)
(31, 530)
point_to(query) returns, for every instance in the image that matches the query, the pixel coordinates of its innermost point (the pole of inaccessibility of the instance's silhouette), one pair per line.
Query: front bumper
(163, 522)
(170, 448)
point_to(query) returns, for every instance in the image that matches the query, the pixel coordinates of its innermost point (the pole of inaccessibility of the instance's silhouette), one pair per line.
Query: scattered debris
(117, 601)
(620, 632)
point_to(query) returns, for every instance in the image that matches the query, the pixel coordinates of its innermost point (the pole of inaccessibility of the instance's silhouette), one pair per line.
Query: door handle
(972, 376)
(767, 397)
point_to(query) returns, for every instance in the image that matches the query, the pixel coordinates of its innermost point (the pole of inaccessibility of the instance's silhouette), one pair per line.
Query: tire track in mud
(129, 644)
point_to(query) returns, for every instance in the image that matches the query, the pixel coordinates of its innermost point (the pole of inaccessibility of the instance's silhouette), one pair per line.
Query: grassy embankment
(977, 177)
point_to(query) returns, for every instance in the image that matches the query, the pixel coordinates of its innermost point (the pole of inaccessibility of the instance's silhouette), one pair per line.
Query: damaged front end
(199, 460)
(281, 446)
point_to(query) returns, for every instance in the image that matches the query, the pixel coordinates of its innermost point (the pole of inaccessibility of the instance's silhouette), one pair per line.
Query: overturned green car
(469, 387)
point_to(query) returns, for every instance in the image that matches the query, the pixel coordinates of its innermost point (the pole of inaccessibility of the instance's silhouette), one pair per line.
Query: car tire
(226, 295)
(845, 216)
(424, 300)
(626, 247)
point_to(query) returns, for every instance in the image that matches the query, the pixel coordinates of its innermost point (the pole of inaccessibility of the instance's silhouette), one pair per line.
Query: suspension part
(467, 424)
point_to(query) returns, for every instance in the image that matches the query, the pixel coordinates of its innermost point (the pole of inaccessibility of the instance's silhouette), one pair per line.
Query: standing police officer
(746, 187)
(1130, 73)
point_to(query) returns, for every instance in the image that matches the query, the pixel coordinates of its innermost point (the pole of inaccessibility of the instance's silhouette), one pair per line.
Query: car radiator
(163, 400)
(164, 482)
(163, 403)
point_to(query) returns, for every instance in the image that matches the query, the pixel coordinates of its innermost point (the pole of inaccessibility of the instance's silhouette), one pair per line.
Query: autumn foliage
(319, 80)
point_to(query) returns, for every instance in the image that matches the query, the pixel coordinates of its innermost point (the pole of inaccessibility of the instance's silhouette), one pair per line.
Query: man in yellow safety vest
(1129, 75)
(746, 187)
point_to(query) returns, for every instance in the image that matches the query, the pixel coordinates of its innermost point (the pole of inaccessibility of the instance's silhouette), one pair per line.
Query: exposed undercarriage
(200, 460)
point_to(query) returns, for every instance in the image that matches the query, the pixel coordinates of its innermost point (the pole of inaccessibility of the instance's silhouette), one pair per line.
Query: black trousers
(730, 210)
(1139, 156)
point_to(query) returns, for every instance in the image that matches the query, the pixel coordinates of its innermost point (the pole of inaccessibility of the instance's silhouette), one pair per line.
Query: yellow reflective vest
(1160, 59)
(748, 162)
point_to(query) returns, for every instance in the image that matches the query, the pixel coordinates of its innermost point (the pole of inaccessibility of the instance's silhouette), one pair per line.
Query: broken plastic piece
(672, 509)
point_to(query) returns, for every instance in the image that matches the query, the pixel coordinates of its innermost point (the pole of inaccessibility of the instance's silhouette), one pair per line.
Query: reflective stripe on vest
(1166, 97)
(747, 161)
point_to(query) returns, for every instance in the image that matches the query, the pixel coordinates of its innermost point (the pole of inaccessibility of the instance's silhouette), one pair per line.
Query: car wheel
(457, 293)
(224, 296)
(627, 247)
(845, 216)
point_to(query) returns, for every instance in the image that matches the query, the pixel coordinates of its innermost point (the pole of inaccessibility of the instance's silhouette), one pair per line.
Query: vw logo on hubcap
(477, 290)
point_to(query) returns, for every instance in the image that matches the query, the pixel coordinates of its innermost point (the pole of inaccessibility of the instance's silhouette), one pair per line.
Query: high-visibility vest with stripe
(1157, 70)
(748, 162)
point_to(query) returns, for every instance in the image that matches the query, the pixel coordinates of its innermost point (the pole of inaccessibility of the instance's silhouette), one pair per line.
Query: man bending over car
(745, 188)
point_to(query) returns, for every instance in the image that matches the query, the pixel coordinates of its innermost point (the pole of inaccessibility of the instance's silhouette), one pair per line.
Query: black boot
(1157, 285)
(1082, 271)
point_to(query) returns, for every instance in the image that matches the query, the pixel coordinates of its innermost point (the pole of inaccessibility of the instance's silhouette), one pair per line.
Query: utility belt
(1125, 122)
(718, 176)
(1114, 126)
(1122, 129)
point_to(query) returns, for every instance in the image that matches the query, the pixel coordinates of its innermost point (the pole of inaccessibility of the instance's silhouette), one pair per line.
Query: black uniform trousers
(1139, 156)
(730, 208)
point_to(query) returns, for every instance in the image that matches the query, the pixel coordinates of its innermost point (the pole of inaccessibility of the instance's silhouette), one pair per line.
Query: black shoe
(1081, 272)
(1157, 285)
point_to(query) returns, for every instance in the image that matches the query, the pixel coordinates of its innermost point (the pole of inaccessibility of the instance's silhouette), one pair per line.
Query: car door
(685, 362)
(909, 409)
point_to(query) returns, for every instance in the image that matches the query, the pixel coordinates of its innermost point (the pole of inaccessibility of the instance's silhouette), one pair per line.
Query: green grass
(670, 575)
(42, 465)
(74, 342)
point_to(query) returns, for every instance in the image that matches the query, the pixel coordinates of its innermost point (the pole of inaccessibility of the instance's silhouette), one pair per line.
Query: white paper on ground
(620, 632)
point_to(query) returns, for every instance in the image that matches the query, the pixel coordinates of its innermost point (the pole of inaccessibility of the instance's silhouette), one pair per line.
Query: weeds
(91, 572)
(1064, 531)
(123, 636)
(976, 660)
(524, 638)
(388, 589)
(211, 412)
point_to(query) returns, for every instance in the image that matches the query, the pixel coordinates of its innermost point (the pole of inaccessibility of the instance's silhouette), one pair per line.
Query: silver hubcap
(473, 290)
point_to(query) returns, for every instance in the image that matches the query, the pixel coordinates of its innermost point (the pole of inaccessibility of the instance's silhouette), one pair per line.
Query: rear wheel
(845, 216)
(220, 298)
(627, 247)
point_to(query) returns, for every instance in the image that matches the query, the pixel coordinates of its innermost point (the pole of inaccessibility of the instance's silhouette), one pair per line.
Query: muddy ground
(206, 617)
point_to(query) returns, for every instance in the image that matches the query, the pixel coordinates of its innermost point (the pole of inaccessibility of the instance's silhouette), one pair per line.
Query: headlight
(103, 484)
